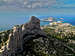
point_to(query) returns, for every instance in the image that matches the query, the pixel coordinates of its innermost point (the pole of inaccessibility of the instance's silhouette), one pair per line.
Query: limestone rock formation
(29, 40)
(23, 34)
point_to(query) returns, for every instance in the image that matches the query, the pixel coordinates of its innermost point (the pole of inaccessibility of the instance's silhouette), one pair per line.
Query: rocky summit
(29, 40)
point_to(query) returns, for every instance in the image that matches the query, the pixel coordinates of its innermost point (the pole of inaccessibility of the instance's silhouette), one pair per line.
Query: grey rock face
(23, 34)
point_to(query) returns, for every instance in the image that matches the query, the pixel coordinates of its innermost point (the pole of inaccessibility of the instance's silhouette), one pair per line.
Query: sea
(8, 20)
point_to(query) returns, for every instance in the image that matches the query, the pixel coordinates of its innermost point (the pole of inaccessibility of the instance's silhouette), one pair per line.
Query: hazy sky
(62, 7)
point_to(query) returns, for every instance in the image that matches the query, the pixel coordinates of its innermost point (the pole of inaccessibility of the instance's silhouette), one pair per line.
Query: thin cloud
(28, 3)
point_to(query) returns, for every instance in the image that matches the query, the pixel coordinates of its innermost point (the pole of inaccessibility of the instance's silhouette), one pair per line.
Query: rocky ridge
(30, 40)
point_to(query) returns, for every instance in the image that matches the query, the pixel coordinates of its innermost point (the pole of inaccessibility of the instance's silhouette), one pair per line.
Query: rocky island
(31, 40)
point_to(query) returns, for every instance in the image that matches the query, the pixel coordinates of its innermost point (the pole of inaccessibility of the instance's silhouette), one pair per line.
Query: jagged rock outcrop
(29, 40)
(23, 34)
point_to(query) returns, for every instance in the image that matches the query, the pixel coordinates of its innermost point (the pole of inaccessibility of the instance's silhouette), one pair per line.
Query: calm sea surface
(8, 20)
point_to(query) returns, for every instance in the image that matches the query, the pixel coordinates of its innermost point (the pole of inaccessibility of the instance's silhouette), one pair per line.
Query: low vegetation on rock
(30, 40)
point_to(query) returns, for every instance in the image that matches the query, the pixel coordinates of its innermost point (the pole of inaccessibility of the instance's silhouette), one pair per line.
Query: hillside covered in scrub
(31, 39)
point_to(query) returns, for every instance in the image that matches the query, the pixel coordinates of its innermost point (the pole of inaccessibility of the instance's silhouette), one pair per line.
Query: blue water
(8, 20)
(66, 19)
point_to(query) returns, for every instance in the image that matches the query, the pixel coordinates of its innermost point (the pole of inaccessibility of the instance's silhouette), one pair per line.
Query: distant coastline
(5, 26)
